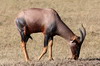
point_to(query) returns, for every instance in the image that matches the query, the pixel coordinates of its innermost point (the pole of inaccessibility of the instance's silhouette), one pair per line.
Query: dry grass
(73, 13)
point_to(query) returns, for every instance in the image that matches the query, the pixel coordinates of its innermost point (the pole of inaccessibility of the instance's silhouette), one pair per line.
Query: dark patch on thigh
(22, 28)
(24, 37)
(20, 22)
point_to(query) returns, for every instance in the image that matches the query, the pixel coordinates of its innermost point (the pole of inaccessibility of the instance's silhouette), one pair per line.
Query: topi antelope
(50, 24)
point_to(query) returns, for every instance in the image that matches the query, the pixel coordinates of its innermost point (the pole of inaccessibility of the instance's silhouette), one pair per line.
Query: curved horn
(83, 34)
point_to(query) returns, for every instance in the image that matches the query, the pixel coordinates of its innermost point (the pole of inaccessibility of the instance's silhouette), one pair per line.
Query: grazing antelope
(50, 24)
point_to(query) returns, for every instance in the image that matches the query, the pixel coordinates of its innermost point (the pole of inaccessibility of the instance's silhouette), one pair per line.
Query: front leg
(50, 49)
(43, 52)
(45, 46)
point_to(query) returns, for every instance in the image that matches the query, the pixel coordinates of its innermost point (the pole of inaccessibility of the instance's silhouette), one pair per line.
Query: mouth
(75, 57)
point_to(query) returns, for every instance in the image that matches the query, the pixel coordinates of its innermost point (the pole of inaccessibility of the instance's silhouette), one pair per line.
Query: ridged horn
(82, 34)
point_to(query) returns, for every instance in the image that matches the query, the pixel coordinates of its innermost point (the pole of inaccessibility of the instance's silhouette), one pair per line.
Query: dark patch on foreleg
(46, 40)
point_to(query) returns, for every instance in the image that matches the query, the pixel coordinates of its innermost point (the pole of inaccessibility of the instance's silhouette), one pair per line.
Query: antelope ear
(72, 41)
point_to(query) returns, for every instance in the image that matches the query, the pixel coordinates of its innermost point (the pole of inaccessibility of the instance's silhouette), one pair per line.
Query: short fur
(48, 22)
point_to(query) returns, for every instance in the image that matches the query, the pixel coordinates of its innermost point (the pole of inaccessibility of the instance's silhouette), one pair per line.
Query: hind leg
(23, 44)
(21, 25)
(24, 40)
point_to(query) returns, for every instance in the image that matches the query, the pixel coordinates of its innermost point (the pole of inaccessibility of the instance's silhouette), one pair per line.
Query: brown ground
(73, 13)
(57, 62)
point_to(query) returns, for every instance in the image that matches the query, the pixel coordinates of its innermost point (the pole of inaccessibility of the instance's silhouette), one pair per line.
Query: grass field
(73, 13)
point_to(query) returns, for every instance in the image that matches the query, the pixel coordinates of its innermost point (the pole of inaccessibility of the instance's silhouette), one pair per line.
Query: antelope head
(76, 43)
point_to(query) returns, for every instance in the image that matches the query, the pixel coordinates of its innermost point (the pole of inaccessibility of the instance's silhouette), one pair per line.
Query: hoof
(28, 60)
(39, 58)
(50, 59)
